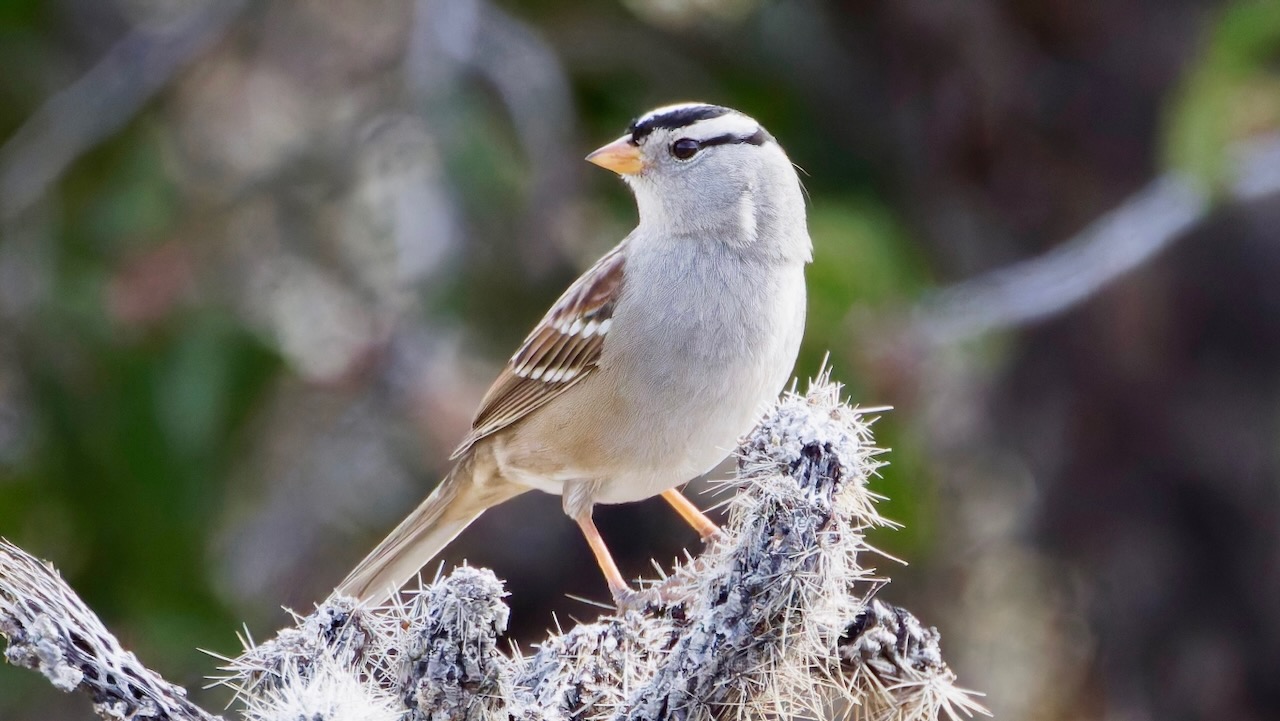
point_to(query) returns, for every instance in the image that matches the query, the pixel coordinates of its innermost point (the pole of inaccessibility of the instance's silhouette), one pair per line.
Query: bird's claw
(625, 599)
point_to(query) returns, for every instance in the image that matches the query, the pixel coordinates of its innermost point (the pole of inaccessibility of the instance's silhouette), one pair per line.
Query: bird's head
(710, 171)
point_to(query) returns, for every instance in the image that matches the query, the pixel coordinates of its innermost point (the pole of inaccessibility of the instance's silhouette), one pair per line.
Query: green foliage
(863, 261)
(861, 257)
(1230, 93)
(135, 425)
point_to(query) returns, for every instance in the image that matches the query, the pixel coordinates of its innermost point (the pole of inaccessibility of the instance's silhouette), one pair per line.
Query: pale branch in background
(103, 100)
(774, 619)
(1257, 168)
(1120, 241)
(455, 39)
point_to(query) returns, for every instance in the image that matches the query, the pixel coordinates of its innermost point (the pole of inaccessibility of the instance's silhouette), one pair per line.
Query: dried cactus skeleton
(51, 630)
(774, 619)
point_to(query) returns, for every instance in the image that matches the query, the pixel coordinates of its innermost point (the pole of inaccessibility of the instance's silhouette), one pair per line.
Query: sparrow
(650, 367)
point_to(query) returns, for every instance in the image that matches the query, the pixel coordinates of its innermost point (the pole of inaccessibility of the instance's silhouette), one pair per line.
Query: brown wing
(562, 350)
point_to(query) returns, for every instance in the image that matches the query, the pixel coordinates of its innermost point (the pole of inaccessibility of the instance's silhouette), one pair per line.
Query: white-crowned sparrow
(647, 370)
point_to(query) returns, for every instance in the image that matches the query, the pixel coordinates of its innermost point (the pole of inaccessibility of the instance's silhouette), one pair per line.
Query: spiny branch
(774, 619)
(50, 630)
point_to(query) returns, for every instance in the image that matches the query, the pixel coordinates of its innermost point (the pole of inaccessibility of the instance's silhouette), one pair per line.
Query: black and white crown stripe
(707, 124)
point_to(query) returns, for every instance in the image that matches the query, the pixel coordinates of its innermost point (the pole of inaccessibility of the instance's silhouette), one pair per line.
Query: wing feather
(563, 349)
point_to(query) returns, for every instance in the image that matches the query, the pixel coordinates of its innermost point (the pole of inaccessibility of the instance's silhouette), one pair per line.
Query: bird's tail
(450, 508)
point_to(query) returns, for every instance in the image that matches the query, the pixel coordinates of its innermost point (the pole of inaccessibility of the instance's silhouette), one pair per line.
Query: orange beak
(620, 156)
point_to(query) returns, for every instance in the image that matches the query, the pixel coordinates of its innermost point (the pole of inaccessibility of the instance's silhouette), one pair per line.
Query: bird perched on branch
(647, 370)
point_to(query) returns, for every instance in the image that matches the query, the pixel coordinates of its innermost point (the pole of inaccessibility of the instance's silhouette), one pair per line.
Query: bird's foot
(625, 599)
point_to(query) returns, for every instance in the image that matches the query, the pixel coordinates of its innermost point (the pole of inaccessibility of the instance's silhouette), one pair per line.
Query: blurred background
(259, 261)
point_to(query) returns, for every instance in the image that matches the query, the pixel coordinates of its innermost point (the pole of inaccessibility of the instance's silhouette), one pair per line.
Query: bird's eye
(684, 148)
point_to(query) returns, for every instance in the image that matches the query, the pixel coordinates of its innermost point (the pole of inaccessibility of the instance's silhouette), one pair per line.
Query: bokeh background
(259, 259)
